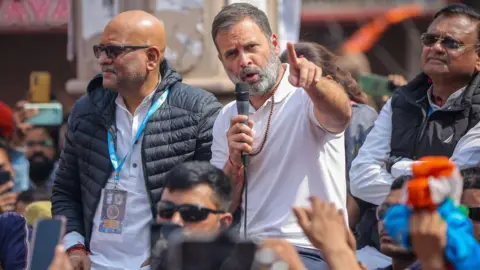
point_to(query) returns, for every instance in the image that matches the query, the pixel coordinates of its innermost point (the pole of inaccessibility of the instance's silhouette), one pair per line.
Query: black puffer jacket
(179, 131)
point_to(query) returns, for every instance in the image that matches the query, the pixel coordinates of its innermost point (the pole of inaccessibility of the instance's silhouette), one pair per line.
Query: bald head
(136, 27)
(130, 52)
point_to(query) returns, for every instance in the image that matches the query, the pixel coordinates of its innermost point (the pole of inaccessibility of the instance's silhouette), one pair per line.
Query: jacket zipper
(145, 178)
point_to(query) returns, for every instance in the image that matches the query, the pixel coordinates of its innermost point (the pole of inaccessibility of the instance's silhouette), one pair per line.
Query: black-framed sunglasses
(429, 40)
(474, 213)
(112, 51)
(188, 212)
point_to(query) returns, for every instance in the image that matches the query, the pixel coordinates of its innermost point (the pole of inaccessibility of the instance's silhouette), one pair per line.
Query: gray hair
(235, 13)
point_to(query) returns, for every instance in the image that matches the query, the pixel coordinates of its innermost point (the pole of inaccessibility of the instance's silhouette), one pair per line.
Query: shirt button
(134, 165)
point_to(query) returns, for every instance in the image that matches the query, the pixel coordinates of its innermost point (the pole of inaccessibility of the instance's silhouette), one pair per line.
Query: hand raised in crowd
(7, 198)
(285, 251)
(429, 238)
(397, 80)
(325, 227)
(20, 117)
(240, 138)
(80, 260)
(60, 261)
(303, 73)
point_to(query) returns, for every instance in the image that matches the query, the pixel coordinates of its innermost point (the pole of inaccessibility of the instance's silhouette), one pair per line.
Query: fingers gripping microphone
(242, 96)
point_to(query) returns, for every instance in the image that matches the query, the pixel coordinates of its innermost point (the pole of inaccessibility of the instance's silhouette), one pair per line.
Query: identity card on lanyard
(114, 200)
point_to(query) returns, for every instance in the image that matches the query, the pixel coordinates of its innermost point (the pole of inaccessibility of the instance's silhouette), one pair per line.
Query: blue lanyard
(117, 165)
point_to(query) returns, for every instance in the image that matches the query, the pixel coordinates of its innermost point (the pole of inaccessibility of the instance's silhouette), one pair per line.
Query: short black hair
(232, 14)
(399, 182)
(460, 9)
(471, 178)
(190, 174)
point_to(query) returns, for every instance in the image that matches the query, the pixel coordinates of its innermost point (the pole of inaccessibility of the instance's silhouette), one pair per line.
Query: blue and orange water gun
(437, 186)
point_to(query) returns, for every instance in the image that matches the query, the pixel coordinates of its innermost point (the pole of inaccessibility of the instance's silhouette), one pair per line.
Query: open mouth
(251, 77)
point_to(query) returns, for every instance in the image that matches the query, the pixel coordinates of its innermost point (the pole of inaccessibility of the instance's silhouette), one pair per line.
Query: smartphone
(49, 114)
(376, 85)
(221, 252)
(40, 87)
(5, 177)
(47, 234)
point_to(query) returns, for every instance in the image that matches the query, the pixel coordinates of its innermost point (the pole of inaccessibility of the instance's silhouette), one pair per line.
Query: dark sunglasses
(112, 51)
(474, 213)
(45, 143)
(429, 40)
(188, 212)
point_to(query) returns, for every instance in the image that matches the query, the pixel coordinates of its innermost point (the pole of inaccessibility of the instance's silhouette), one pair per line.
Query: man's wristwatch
(390, 162)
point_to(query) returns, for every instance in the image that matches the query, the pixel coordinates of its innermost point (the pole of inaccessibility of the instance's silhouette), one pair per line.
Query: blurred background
(56, 36)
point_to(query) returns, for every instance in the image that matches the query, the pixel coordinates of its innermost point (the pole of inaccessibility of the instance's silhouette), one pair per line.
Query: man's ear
(226, 220)
(329, 77)
(154, 56)
(275, 43)
(477, 63)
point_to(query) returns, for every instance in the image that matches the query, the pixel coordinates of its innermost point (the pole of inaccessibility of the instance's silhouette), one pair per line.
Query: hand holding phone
(47, 234)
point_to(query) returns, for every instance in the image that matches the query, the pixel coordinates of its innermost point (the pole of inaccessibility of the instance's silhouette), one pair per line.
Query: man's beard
(267, 75)
(41, 168)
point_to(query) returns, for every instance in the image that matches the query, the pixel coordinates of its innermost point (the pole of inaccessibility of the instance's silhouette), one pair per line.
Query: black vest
(415, 134)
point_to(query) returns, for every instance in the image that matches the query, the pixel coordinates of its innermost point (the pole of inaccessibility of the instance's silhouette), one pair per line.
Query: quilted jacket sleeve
(209, 113)
(66, 193)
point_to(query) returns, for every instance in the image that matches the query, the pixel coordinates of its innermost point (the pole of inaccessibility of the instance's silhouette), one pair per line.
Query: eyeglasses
(188, 212)
(112, 51)
(474, 213)
(45, 143)
(382, 210)
(429, 40)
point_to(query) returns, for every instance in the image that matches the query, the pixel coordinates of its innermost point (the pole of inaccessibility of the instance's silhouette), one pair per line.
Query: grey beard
(268, 76)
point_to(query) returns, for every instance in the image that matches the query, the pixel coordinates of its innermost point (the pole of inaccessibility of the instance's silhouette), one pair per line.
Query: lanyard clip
(116, 178)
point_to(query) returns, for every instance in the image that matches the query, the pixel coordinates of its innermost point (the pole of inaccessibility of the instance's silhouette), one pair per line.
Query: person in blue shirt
(14, 241)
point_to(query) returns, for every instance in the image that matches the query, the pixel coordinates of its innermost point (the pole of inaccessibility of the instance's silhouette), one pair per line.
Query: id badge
(113, 211)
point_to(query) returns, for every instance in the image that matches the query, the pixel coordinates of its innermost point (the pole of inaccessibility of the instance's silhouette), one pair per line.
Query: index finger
(292, 54)
(238, 119)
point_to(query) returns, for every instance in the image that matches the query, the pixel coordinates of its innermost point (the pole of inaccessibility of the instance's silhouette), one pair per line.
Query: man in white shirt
(437, 113)
(295, 134)
(137, 121)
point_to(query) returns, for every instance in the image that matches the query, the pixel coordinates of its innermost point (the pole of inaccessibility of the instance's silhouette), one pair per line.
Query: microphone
(242, 96)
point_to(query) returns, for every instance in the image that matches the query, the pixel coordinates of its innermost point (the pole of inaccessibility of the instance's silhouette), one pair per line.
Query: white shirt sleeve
(467, 151)
(220, 144)
(73, 238)
(369, 179)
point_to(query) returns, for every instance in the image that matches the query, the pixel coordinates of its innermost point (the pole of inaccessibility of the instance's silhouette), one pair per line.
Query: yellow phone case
(40, 83)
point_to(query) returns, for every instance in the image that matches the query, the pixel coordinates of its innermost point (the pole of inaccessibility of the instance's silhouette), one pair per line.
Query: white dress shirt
(131, 248)
(299, 159)
(369, 179)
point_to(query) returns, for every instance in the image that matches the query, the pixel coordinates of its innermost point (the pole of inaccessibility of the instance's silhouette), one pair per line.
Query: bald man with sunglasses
(137, 122)
(436, 113)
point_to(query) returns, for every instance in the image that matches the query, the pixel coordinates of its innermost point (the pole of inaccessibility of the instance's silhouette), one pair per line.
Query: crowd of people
(311, 172)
